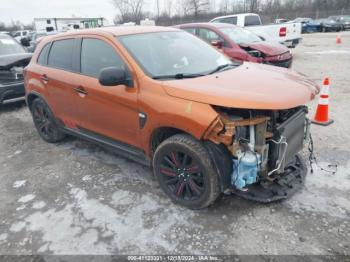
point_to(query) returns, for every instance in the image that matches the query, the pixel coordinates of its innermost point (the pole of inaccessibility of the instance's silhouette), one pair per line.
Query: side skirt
(117, 147)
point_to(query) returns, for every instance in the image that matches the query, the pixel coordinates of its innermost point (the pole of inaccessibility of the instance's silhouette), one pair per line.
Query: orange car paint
(182, 104)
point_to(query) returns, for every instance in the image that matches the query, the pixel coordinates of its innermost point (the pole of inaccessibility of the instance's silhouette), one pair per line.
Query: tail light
(283, 31)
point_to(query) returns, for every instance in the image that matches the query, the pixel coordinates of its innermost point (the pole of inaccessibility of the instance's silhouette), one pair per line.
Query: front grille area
(285, 63)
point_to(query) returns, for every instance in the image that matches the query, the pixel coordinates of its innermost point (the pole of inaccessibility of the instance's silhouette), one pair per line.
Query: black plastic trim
(120, 148)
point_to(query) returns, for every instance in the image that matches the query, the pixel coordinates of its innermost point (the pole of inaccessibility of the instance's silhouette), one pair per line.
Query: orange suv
(161, 96)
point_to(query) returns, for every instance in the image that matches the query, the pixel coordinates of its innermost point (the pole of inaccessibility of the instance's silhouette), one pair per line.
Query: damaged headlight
(262, 142)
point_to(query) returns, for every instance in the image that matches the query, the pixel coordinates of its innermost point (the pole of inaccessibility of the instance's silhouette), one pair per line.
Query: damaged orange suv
(160, 96)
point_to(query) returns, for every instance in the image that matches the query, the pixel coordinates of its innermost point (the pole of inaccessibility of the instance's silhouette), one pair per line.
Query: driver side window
(96, 55)
(210, 36)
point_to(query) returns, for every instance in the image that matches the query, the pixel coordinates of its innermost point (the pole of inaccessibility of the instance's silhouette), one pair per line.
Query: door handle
(80, 90)
(44, 78)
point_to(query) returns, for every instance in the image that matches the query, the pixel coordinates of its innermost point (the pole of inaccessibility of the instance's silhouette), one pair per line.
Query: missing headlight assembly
(263, 143)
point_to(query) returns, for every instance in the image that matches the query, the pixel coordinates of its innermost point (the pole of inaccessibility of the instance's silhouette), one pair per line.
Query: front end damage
(11, 77)
(263, 147)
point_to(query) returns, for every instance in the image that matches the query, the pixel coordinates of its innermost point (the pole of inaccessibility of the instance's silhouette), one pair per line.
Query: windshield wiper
(178, 76)
(221, 68)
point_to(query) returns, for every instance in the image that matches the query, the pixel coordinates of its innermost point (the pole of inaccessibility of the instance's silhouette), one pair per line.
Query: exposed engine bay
(11, 76)
(263, 144)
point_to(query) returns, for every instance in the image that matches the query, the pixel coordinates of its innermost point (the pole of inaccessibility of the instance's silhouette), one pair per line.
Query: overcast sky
(26, 10)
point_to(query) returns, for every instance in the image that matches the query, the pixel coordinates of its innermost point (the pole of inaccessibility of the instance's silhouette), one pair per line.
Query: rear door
(60, 79)
(107, 111)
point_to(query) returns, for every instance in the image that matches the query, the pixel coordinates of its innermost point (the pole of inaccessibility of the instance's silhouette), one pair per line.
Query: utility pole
(158, 11)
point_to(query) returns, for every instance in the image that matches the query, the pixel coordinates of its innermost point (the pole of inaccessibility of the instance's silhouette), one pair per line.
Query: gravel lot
(77, 198)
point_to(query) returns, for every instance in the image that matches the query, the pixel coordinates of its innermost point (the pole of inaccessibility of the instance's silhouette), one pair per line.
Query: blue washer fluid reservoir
(245, 170)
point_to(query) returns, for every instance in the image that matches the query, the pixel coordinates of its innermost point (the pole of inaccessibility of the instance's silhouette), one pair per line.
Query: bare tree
(197, 6)
(225, 6)
(129, 9)
(253, 6)
(168, 7)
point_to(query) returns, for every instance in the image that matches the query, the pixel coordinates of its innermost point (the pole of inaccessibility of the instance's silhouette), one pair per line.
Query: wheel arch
(30, 97)
(160, 134)
(218, 153)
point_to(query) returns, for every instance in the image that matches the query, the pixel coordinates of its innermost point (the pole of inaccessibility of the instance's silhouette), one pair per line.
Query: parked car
(308, 25)
(13, 58)
(169, 100)
(18, 35)
(241, 44)
(37, 36)
(330, 25)
(288, 34)
(343, 19)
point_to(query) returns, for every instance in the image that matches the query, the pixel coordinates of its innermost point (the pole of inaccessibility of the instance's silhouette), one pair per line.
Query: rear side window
(96, 55)
(191, 30)
(229, 20)
(251, 20)
(42, 59)
(209, 35)
(61, 54)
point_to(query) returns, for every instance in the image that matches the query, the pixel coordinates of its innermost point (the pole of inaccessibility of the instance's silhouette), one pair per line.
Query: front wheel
(185, 172)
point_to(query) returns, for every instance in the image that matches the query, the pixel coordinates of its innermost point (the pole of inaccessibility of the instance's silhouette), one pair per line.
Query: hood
(9, 61)
(268, 48)
(249, 86)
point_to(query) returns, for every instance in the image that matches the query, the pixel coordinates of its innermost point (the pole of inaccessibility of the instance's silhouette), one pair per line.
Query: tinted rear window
(42, 59)
(251, 20)
(61, 54)
(228, 20)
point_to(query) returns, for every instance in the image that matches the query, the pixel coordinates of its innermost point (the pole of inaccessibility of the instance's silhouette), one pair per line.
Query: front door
(109, 111)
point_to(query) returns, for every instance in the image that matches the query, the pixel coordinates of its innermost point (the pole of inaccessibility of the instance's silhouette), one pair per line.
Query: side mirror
(217, 43)
(113, 76)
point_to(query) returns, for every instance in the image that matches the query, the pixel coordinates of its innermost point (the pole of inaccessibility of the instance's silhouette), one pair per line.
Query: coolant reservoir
(245, 170)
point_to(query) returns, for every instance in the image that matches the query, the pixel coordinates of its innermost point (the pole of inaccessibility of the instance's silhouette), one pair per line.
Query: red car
(241, 44)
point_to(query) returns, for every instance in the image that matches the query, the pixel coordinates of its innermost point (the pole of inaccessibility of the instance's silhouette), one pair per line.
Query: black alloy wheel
(44, 122)
(186, 172)
(182, 175)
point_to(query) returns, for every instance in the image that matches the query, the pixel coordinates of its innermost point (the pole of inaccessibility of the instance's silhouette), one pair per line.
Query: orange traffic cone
(338, 40)
(321, 117)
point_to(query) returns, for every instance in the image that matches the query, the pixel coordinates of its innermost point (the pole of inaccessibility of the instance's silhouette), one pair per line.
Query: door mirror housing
(113, 76)
(217, 43)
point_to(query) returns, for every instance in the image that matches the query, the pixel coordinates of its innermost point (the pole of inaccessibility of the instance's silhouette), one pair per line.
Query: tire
(185, 172)
(45, 122)
(324, 30)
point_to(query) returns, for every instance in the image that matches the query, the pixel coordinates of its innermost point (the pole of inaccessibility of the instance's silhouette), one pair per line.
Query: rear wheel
(185, 172)
(45, 123)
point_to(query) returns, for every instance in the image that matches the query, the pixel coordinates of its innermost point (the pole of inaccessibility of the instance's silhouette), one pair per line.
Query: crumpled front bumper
(283, 187)
(10, 92)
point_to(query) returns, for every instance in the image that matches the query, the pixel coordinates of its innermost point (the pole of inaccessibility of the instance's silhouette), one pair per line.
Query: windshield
(164, 54)
(8, 46)
(240, 35)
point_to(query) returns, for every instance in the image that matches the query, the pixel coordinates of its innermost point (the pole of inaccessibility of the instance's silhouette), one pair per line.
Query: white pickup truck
(288, 34)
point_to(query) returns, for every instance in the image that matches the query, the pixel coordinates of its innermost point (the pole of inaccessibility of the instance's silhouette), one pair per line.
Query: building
(65, 24)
